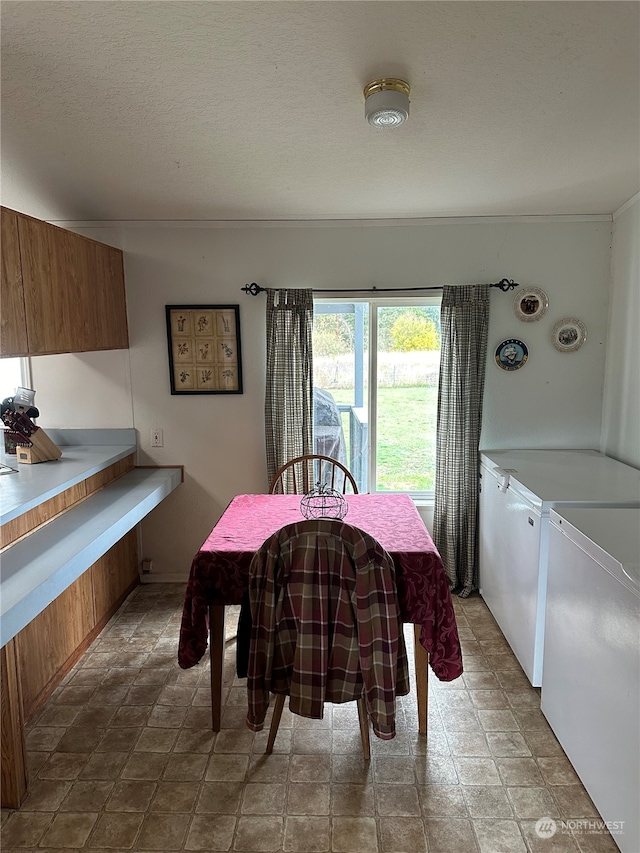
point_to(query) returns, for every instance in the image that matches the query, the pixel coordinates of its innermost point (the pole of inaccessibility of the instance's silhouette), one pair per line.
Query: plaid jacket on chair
(326, 624)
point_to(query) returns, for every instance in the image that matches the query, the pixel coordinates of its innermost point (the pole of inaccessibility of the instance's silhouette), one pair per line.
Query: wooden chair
(300, 475)
(292, 648)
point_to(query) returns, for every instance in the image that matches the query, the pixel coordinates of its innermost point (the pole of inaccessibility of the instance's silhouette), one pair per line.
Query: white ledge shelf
(36, 569)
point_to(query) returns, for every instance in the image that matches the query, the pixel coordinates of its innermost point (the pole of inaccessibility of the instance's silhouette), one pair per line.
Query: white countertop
(32, 485)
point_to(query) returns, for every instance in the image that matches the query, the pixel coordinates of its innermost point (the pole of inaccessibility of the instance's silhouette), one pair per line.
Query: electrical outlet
(157, 438)
(147, 566)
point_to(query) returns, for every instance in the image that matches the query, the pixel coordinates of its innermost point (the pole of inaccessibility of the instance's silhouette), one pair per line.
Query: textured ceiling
(254, 110)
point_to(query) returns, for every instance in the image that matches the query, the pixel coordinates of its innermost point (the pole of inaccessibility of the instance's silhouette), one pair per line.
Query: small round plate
(569, 334)
(511, 354)
(530, 303)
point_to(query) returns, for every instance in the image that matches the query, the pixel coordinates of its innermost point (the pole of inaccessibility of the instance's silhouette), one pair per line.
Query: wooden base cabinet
(61, 292)
(38, 658)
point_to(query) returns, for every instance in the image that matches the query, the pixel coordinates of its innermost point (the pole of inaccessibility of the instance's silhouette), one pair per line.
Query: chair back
(326, 624)
(300, 475)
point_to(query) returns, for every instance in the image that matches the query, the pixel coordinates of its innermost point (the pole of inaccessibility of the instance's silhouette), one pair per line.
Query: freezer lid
(610, 536)
(578, 477)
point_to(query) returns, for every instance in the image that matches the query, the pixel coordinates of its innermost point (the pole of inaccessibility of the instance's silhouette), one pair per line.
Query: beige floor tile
(63, 765)
(519, 771)
(89, 796)
(347, 768)
(402, 835)
(315, 768)
(507, 744)
(118, 739)
(263, 798)
(397, 800)
(558, 771)
(227, 767)
(25, 829)
(485, 801)
(219, 797)
(477, 771)
(307, 835)
(354, 835)
(497, 721)
(531, 803)
(440, 801)
(561, 842)
(573, 802)
(175, 797)
(468, 743)
(437, 770)
(131, 796)
(145, 765)
(45, 738)
(308, 798)
(211, 833)
(155, 739)
(499, 836)
(46, 795)
(389, 770)
(352, 800)
(116, 830)
(446, 835)
(185, 767)
(69, 830)
(259, 834)
(163, 831)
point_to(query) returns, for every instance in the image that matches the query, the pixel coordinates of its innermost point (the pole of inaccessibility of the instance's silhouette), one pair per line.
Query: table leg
(421, 656)
(216, 654)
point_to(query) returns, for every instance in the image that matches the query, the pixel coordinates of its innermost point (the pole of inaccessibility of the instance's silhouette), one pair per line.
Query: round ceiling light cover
(386, 102)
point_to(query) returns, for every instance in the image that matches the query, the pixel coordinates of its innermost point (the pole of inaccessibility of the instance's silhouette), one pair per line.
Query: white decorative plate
(569, 334)
(530, 303)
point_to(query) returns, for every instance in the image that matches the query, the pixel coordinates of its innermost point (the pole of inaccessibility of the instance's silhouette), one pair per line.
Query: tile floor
(122, 758)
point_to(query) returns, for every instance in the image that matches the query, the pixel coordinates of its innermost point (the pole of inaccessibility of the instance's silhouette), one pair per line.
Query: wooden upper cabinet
(74, 297)
(13, 325)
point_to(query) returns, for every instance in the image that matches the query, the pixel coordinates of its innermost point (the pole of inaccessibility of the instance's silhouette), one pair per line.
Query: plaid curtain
(464, 320)
(289, 395)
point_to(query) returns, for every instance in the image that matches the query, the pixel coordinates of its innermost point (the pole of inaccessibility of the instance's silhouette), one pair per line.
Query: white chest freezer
(518, 489)
(591, 677)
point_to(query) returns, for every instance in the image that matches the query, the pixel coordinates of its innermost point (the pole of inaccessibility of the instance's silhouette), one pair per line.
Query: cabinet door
(73, 289)
(13, 340)
(109, 312)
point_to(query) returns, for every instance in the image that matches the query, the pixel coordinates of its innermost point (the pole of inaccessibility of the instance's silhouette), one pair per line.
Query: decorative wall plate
(511, 354)
(569, 334)
(530, 303)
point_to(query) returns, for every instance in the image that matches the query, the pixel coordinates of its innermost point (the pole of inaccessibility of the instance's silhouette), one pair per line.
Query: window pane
(340, 378)
(10, 376)
(405, 362)
(408, 350)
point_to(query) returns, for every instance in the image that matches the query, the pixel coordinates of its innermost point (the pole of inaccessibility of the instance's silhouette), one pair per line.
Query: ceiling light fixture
(386, 102)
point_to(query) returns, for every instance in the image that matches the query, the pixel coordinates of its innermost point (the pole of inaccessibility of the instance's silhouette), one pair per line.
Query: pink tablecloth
(220, 569)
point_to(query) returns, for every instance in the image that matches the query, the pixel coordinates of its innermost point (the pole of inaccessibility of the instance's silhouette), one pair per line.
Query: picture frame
(569, 334)
(530, 304)
(204, 349)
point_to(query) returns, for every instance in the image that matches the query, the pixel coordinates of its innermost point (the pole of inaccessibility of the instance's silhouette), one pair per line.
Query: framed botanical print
(204, 349)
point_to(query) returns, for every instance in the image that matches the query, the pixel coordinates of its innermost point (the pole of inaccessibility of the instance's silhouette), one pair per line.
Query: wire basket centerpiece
(323, 502)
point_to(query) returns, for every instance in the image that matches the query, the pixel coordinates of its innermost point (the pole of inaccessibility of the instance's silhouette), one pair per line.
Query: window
(375, 373)
(13, 374)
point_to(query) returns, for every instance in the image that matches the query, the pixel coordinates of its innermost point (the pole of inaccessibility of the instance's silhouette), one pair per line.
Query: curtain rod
(254, 289)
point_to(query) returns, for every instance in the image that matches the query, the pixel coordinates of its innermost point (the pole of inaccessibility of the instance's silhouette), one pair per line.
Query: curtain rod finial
(506, 284)
(253, 288)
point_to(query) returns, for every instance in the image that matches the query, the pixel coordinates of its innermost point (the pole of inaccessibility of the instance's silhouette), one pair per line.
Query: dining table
(219, 577)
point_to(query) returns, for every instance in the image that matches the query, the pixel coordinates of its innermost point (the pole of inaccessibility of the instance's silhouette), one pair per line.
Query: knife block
(40, 449)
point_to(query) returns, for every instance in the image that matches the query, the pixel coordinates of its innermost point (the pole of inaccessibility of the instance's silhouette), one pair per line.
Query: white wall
(621, 409)
(554, 401)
